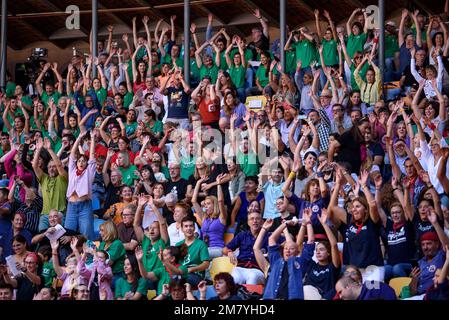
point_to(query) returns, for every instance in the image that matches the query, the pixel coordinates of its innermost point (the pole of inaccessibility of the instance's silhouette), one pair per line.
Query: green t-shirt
(128, 175)
(53, 192)
(212, 72)
(164, 276)
(168, 59)
(249, 163)
(290, 61)
(128, 99)
(10, 89)
(197, 254)
(27, 100)
(150, 259)
(306, 52)
(122, 286)
(223, 63)
(194, 71)
(56, 143)
(48, 272)
(238, 75)
(130, 128)
(45, 97)
(262, 76)
(355, 43)
(187, 167)
(117, 254)
(330, 53)
(157, 127)
(391, 45)
(362, 74)
(101, 96)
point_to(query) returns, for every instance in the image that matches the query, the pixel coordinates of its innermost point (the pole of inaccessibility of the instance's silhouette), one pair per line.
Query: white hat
(391, 23)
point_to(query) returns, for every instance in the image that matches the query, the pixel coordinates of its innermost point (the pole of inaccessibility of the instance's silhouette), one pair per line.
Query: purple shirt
(214, 229)
(81, 184)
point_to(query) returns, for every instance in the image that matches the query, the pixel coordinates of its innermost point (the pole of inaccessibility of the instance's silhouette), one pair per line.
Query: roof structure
(44, 20)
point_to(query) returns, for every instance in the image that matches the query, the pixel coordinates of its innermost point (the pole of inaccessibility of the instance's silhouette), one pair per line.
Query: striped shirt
(31, 212)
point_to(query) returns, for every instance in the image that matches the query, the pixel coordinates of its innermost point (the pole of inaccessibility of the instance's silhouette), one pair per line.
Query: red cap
(430, 235)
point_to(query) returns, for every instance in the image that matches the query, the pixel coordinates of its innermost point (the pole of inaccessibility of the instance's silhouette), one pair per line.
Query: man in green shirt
(248, 160)
(197, 259)
(206, 65)
(53, 185)
(49, 92)
(391, 50)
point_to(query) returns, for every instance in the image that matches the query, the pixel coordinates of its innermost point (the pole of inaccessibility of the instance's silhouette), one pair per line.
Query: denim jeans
(241, 93)
(249, 77)
(398, 270)
(80, 217)
(194, 279)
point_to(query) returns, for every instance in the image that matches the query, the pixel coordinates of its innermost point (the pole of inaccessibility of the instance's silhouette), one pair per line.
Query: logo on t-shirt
(315, 208)
(297, 265)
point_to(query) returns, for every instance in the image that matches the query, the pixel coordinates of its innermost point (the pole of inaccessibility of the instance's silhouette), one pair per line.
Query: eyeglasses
(357, 57)
(337, 110)
(30, 262)
(350, 273)
(127, 215)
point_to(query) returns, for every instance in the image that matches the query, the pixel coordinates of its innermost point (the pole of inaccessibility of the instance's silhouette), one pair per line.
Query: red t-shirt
(209, 111)
(100, 150)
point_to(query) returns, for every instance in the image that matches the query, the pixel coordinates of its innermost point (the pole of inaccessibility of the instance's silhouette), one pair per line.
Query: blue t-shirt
(400, 242)
(316, 206)
(361, 245)
(428, 269)
(374, 290)
(323, 278)
(178, 103)
(245, 242)
(271, 193)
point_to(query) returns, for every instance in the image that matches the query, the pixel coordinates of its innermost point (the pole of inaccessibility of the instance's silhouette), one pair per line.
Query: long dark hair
(135, 269)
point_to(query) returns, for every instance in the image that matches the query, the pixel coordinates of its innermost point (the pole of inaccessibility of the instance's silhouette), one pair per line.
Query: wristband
(430, 186)
(292, 175)
(320, 174)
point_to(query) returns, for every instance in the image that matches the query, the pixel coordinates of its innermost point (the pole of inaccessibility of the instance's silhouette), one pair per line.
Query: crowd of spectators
(135, 184)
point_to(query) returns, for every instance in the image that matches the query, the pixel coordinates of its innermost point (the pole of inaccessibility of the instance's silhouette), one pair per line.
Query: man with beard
(53, 185)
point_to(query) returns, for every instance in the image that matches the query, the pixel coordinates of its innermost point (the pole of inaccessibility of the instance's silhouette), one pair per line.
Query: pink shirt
(82, 184)
(20, 171)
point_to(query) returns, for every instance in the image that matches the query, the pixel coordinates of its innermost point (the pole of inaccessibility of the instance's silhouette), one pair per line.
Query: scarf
(79, 172)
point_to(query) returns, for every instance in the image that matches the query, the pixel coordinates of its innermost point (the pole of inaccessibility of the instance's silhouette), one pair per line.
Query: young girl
(99, 274)
(323, 274)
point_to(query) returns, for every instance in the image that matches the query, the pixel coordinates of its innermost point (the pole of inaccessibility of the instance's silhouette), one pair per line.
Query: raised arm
(59, 166)
(38, 84)
(317, 24)
(262, 22)
(331, 237)
(173, 30)
(373, 211)
(418, 29)
(350, 20)
(401, 37)
(257, 248)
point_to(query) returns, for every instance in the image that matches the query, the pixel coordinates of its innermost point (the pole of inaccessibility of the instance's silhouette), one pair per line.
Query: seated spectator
(224, 286)
(133, 286)
(246, 270)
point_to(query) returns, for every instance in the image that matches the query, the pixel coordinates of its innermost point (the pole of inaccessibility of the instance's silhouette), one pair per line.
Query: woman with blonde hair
(111, 243)
(213, 215)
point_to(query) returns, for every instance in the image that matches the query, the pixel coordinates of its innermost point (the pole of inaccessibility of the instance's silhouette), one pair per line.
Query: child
(48, 272)
(99, 274)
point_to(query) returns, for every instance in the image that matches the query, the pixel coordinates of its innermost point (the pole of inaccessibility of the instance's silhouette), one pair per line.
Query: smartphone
(415, 263)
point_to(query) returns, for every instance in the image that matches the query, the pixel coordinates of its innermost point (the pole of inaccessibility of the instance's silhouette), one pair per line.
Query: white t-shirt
(177, 235)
